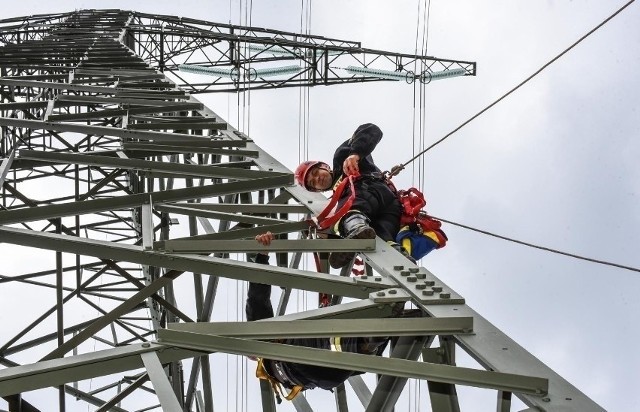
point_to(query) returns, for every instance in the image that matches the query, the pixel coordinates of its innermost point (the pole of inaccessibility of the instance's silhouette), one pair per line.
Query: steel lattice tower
(101, 151)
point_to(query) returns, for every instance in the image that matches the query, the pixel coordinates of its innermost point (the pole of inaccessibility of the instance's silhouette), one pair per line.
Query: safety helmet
(303, 169)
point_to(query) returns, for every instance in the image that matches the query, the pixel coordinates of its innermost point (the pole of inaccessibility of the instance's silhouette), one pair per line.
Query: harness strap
(335, 344)
(326, 219)
(412, 201)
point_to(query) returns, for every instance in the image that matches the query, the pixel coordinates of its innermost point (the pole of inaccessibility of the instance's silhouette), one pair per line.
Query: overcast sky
(555, 164)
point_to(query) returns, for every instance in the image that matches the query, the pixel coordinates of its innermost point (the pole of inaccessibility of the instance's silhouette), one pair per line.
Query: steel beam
(534, 386)
(5, 166)
(389, 388)
(175, 169)
(160, 383)
(325, 328)
(55, 372)
(129, 201)
(227, 246)
(491, 347)
(123, 394)
(114, 314)
(225, 216)
(273, 275)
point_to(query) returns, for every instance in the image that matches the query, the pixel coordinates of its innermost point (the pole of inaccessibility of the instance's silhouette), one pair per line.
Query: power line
(396, 169)
(602, 262)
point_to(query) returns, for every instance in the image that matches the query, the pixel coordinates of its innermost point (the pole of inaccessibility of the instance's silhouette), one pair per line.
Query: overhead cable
(396, 169)
(601, 262)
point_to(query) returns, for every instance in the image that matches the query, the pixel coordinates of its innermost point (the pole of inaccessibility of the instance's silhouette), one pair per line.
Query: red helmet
(303, 169)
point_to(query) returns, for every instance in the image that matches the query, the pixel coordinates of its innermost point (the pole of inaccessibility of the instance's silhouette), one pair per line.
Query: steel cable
(396, 169)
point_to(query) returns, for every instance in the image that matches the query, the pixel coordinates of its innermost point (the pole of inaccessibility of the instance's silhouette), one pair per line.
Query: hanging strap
(324, 299)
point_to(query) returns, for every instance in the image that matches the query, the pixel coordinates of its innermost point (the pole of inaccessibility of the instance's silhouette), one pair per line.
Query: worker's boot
(352, 226)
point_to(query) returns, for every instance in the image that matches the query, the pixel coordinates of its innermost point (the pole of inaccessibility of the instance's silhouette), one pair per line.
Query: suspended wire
(397, 169)
(413, 117)
(414, 394)
(307, 76)
(601, 262)
(304, 92)
(423, 94)
(248, 132)
(302, 300)
(419, 92)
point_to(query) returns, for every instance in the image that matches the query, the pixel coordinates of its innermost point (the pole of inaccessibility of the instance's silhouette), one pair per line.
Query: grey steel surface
(87, 107)
(160, 382)
(355, 361)
(90, 365)
(326, 328)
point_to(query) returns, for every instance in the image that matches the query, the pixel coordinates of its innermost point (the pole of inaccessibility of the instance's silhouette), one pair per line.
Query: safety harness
(326, 218)
(419, 233)
(412, 201)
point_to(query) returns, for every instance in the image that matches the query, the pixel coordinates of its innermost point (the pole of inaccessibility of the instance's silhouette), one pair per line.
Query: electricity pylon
(110, 303)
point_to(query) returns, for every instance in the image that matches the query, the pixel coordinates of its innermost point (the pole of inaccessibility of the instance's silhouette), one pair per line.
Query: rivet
(412, 279)
(421, 286)
(377, 279)
(363, 277)
(546, 400)
(429, 282)
(445, 295)
(414, 270)
(380, 294)
(404, 273)
(421, 275)
(393, 292)
(427, 292)
(437, 288)
(146, 345)
(398, 267)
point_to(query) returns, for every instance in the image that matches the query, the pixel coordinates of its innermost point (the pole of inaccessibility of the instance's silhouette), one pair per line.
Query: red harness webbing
(413, 201)
(326, 219)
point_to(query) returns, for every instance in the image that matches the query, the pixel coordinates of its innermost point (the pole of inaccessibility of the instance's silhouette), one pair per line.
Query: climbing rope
(396, 169)
(601, 262)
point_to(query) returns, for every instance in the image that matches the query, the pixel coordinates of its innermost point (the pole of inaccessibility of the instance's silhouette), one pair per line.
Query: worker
(376, 209)
(297, 377)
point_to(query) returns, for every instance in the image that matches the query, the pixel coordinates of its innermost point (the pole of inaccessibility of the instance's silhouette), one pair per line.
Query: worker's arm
(365, 139)
(354, 155)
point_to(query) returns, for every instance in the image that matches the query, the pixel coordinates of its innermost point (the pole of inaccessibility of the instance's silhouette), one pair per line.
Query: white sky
(555, 164)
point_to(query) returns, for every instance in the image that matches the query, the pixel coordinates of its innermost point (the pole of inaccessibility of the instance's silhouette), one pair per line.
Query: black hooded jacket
(364, 140)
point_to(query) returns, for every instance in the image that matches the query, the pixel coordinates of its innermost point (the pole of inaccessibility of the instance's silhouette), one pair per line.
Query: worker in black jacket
(375, 209)
(294, 376)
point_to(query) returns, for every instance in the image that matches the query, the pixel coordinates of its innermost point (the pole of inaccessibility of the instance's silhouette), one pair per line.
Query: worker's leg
(258, 302)
(355, 223)
(364, 345)
(387, 222)
(259, 297)
(385, 218)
